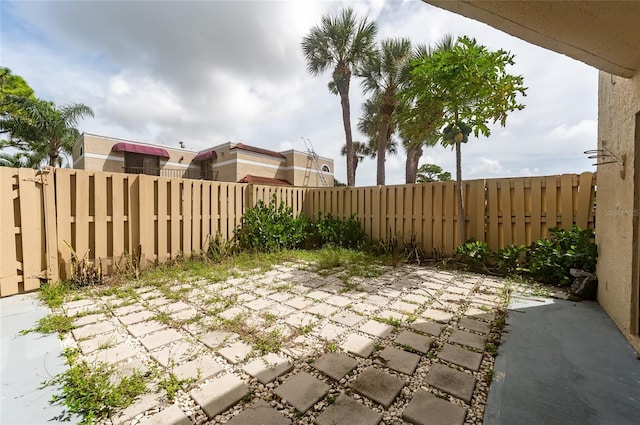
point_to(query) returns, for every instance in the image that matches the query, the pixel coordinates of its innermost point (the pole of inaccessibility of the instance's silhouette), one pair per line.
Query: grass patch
(53, 294)
(171, 384)
(52, 323)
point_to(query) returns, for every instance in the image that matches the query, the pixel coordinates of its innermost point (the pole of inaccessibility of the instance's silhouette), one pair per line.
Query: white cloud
(584, 128)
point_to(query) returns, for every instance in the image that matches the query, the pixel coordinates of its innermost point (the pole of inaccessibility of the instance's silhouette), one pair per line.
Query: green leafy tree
(428, 173)
(369, 125)
(43, 130)
(383, 74)
(11, 87)
(471, 84)
(340, 42)
(419, 123)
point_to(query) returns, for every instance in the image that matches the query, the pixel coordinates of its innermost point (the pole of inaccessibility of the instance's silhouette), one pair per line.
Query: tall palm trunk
(414, 153)
(343, 90)
(54, 152)
(386, 110)
(462, 225)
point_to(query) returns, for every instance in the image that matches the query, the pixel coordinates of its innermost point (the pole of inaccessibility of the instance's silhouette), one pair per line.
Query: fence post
(47, 176)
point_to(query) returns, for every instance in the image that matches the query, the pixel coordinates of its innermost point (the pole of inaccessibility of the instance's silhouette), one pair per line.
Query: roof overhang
(603, 34)
(142, 149)
(205, 155)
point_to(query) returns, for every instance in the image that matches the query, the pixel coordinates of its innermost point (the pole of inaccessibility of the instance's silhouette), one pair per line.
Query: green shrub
(337, 232)
(475, 254)
(270, 228)
(509, 260)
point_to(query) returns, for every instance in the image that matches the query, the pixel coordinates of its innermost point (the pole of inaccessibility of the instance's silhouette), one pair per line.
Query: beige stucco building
(230, 162)
(606, 35)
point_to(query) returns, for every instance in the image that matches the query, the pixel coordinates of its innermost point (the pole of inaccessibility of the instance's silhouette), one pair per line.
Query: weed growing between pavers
(59, 323)
(89, 390)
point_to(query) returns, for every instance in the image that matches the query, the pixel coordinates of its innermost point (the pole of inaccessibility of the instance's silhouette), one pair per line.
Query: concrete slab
(173, 307)
(259, 413)
(451, 381)
(347, 318)
(415, 341)
(359, 345)
(170, 415)
(335, 365)
(378, 386)
(300, 319)
(137, 317)
(407, 308)
(322, 309)
(299, 303)
(563, 362)
(399, 360)
(375, 328)
(219, 395)
(101, 341)
(338, 300)
(144, 328)
(200, 369)
(267, 368)
(461, 356)
(347, 411)
(437, 315)
(174, 354)
(329, 331)
(427, 327)
(236, 352)
(25, 362)
(127, 309)
(112, 355)
(302, 391)
(184, 315)
(160, 338)
(89, 319)
(427, 409)
(474, 325)
(467, 338)
(215, 339)
(92, 330)
(259, 304)
(142, 404)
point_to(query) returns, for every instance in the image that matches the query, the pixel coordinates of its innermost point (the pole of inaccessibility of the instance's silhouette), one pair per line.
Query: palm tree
(44, 130)
(341, 42)
(361, 151)
(424, 131)
(369, 125)
(384, 75)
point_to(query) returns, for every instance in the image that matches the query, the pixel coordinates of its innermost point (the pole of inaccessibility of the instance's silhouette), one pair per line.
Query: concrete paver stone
(335, 365)
(89, 319)
(279, 296)
(322, 309)
(259, 413)
(378, 386)
(437, 315)
(393, 315)
(160, 338)
(101, 341)
(415, 298)
(427, 327)
(220, 394)
(158, 302)
(173, 307)
(259, 304)
(93, 329)
(338, 300)
(359, 345)
(112, 355)
(174, 354)
(475, 325)
(302, 391)
(319, 295)
(478, 313)
(186, 314)
(145, 402)
(467, 338)
(418, 342)
(127, 309)
(427, 409)
(129, 367)
(301, 319)
(375, 328)
(144, 328)
(137, 317)
(347, 318)
(347, 411)
(299, 303)
(231, 313)
(399, 360)
(461, 356)
(171, 415)
(235, 352)
(215, 339)
(200, 369)
(329, 331)
(266, 369)
(451, 381)
(404, 307)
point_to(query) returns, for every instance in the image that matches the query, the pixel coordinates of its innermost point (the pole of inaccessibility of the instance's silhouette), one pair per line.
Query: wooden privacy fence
(108, 215)
(500, 212)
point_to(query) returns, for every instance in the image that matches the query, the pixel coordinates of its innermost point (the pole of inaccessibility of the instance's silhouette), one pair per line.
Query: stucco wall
(617, 208)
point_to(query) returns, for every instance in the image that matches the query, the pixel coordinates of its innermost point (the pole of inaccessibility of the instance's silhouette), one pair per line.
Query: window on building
(326, 169)
(137, 163)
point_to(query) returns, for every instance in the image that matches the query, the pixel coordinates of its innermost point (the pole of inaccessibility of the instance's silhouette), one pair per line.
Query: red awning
(143, 149)
(203, 156)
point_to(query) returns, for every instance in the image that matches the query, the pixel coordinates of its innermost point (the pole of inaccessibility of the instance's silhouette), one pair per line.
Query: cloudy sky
(208, 72)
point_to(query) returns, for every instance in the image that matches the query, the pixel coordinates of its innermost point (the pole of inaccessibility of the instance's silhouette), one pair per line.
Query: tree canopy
(428, 173)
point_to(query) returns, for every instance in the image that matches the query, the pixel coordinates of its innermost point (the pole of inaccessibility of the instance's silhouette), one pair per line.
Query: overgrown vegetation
(91, 390)
(546, 260)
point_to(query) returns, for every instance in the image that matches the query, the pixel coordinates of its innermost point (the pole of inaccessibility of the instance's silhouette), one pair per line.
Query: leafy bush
(270, 228)
(549, 260)
(475, 254)
(509, 260)
(327, 230)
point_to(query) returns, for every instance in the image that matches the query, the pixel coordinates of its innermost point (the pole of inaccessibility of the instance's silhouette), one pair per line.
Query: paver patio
(407, 348)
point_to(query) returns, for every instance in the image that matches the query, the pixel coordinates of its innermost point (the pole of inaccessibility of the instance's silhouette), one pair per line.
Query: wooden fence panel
(9, 198)
(31, 229)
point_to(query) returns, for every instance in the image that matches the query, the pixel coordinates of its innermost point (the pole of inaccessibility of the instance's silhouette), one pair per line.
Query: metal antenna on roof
(314, 157)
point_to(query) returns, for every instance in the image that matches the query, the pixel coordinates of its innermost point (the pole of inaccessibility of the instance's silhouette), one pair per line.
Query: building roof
(143, 149)
(205, 155)
(267, 152)
(264, 180)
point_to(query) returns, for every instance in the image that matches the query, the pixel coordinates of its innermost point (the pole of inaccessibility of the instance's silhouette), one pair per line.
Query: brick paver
(140, 405)
(418, 342)
(220, 394)
(346, 410)
(259, 413)
(375, 328)
(215, 339)
(427, 409)
(171, 415)
(160, 338)
(113, 355)
(378, 386)
(467, 338)
(93, 329)
(399, 360)
(144, 328)
(427, 327)
(347, 318)
(359, 345)
(437, 315)
(302, 391)
(200, 369)
(461, 356)
(236, 352)
(266, 369)
(451, 381)
(174, 353)
(335, 365)
(100, 342)
(474, 325)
